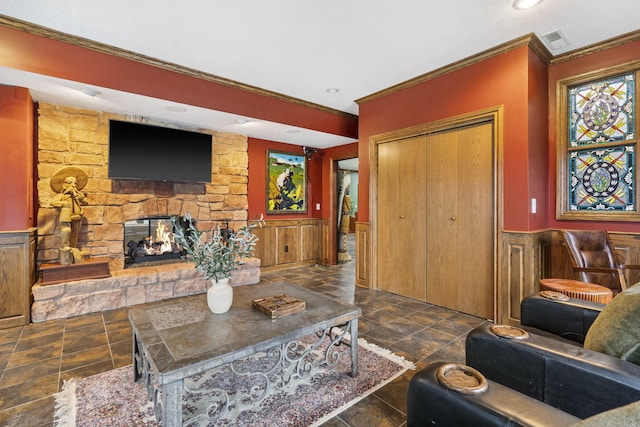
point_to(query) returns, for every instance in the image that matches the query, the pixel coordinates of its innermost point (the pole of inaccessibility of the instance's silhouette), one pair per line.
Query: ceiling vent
(555, 40)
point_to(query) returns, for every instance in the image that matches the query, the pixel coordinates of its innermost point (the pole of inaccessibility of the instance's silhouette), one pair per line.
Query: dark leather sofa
(547, 379)
(429, 403)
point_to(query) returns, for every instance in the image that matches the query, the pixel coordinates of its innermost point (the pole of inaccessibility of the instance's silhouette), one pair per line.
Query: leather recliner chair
(593, 259)
(549, 371)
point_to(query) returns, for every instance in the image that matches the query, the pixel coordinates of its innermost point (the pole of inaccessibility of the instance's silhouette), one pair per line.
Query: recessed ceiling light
(525, 4)
(176, 108)
(333, 90)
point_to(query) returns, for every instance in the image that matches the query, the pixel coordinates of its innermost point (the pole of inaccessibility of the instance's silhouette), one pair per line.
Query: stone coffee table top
(182, 333)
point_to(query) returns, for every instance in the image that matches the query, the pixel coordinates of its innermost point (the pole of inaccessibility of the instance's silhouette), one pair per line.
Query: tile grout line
(4, 370)
(64, 333)
(104, 325)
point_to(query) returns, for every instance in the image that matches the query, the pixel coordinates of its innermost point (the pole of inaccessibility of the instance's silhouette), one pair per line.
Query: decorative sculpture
(68, 183)
(344, 218)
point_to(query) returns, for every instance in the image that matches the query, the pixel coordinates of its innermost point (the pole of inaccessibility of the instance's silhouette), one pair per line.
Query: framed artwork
(286, 182)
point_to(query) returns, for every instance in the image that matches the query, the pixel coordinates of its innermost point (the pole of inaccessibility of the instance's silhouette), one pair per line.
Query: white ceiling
(302, 48)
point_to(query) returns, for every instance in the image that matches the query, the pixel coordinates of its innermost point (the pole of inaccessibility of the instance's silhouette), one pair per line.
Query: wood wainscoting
(17, 276)
(529, 257)
(525, 259)
(363, 263)
(289, 243)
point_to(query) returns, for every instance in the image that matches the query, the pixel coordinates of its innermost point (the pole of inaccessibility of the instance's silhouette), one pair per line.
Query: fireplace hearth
(150, 240)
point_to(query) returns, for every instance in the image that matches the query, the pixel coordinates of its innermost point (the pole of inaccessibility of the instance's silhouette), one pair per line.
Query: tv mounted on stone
(154, 153)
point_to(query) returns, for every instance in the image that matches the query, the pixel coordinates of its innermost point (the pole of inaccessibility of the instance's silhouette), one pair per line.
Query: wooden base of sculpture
(96, 268)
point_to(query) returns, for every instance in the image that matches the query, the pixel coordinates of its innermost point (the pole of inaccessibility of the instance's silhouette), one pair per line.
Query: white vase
(220, 296)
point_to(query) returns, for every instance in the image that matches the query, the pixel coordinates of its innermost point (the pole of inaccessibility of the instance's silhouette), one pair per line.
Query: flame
(163, 241)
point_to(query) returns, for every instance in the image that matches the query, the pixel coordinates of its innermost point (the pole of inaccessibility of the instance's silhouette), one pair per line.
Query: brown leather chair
(593, 259)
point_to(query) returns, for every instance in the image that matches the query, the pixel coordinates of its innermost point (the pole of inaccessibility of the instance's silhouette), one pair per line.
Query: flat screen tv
(154, 153)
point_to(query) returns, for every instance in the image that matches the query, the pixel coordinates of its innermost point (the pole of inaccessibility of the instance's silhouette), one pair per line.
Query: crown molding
(38, 30)
(597, 47)
(530, 40)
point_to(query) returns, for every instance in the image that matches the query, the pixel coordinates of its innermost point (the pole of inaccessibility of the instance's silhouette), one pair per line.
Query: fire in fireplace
(150, 239)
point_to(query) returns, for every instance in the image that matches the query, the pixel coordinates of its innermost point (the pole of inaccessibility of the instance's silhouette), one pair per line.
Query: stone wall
(80, 138)
(128, 287)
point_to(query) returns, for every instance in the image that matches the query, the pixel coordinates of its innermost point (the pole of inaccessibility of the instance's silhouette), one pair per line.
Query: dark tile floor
(35, 360)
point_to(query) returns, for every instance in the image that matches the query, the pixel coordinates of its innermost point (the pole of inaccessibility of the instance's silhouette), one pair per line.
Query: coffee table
(179, 338)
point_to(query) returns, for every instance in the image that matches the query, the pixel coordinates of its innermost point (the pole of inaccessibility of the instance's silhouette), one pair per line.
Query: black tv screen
(154, 153)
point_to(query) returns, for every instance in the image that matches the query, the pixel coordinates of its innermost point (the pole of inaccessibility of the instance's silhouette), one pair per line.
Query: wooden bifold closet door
(460, 226)
(436, 218)
(402, 228)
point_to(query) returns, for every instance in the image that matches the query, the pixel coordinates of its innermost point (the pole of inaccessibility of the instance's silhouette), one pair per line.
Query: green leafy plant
(218, 256)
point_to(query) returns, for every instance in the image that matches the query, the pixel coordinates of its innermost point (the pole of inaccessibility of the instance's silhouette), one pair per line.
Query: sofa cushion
(624, 416)
(616, 330)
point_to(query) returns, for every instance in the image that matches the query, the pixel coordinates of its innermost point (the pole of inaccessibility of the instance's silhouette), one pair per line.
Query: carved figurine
(67, 183)
(344, 218)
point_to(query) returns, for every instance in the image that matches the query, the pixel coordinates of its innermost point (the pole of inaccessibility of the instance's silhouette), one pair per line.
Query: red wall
(318, 177)
(29, 52)
(330, 155)
(258, 179)
(538, 171)
(584, 64)
(500, 80)
(16, 159)
(515, 80)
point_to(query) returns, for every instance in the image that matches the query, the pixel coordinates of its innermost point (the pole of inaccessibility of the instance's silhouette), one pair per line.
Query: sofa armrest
(576, 380)
(431, 403)
(569, 319)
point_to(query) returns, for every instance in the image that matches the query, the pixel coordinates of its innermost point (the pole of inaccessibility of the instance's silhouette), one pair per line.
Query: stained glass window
(602, 179)
(597, 163)
(602, 111)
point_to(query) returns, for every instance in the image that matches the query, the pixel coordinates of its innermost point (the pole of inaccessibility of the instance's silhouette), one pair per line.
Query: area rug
(113, 399)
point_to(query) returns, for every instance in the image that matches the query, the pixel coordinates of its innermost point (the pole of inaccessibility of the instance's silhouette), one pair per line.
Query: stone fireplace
(150, 240)
(78, 137)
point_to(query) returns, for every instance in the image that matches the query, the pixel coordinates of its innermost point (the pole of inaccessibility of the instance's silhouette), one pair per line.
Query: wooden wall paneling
(544, 249)
(264, 246)
(627, 248)
(288, 243)
(325, 253)
(17, 276)
(514, 276)
(526, 260)
(286, 246)
(362, 254)
(310, 243)
(540, 244)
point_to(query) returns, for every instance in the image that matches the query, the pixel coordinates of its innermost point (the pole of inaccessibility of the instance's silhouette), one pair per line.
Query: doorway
(347, 205)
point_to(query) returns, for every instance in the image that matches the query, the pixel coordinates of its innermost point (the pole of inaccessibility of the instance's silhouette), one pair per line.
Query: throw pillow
(616, 330)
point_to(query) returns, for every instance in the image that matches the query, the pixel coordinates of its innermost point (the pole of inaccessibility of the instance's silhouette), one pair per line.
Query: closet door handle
(453, 218)
(401, 216)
